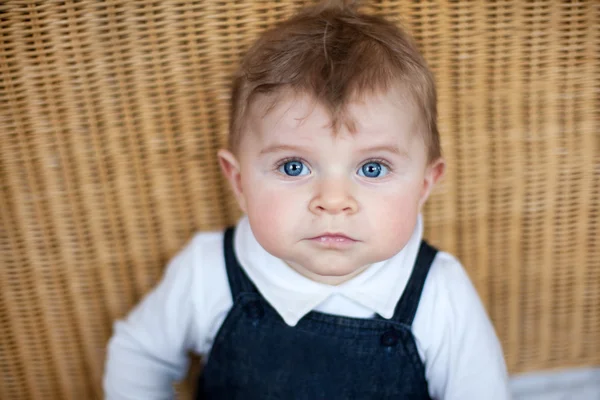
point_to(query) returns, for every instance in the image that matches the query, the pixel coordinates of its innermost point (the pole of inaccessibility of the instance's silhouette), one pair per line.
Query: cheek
(271, 203)
(395, 216)
(274, 201)
(272, 214)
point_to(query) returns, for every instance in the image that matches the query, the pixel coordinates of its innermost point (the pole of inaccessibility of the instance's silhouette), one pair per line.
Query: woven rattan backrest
(111, 113)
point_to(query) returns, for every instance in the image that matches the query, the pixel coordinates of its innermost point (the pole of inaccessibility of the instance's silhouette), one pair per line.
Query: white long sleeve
(148, 350)
(463, 359)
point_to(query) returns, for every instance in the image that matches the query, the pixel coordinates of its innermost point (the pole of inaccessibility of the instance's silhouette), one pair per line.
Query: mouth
(333, 240)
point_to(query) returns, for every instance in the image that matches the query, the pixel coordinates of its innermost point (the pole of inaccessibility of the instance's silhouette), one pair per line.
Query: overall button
(254, 310)
(390, 338)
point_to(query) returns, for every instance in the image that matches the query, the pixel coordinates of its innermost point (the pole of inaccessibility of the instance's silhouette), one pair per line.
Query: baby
(325, 288)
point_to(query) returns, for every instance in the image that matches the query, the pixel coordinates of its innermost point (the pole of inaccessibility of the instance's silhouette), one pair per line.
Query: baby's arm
(148, 350)
(463, 358)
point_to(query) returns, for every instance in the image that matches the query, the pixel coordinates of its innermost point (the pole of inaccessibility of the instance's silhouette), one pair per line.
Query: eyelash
(381, 161)
(282, 162)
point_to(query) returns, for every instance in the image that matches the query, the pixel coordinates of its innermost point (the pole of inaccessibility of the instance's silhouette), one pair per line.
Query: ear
(433, 173)
(231, 169)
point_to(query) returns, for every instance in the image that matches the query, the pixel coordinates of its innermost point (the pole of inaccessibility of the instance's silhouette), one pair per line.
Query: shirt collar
(292, 295)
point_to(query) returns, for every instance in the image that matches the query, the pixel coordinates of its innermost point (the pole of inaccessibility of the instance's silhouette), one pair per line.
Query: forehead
(286, 113)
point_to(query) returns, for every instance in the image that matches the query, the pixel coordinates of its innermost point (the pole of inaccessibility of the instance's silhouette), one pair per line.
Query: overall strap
(238, 280)
(407, 306)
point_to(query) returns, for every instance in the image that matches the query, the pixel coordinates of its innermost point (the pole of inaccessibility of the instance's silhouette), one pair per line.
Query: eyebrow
(281, 147)
(387, 148)
(381, 148)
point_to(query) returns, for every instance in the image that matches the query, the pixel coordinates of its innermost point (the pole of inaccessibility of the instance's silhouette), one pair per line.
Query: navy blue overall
(257, 356)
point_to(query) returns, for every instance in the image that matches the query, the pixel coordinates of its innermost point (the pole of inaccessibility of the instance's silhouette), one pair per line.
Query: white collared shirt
(455, 339)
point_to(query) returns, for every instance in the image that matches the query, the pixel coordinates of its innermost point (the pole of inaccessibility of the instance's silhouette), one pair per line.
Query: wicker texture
(111, 113)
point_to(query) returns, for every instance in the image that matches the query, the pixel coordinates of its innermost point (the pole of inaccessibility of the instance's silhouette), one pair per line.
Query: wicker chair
(111, 113)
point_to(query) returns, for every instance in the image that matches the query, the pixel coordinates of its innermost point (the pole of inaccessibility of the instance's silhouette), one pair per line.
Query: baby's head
(333, 140)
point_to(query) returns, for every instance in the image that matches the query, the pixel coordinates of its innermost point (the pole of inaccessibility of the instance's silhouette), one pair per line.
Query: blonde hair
(333, 53)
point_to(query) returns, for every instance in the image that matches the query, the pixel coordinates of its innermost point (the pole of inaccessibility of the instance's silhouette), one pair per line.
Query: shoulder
(448, 293)
(195, 266)
(449, 304)
(205, 246)
(194, 257)
(206, 240)
(448, 278)
(205, 259)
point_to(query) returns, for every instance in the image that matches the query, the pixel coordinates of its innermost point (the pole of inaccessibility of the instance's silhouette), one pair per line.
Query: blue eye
(294, 168)
(373, 169)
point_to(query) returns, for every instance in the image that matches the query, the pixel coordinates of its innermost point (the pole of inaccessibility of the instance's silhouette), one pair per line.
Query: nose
(333, 197)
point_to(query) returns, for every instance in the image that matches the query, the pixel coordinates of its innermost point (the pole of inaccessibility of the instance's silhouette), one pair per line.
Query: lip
(334, 235)
(333, 240)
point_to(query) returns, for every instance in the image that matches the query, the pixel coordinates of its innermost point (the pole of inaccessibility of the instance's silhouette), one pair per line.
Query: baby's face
(332, 205)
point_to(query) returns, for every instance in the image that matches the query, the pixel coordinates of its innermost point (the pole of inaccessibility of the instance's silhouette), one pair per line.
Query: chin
(335, 272)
